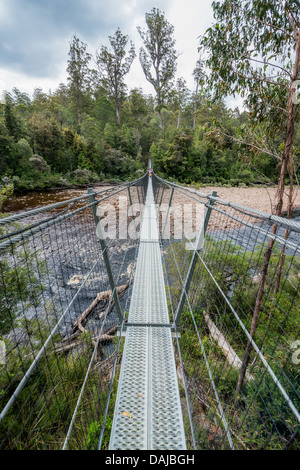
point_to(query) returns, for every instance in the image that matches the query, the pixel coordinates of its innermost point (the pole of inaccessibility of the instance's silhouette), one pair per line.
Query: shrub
(37, 163)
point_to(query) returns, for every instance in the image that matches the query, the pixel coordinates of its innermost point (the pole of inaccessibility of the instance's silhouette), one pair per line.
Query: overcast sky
(35, 36)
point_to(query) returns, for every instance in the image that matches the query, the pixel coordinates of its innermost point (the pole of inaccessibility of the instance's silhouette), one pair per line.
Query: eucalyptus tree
(158, 56)
(178, 101)
(13, 123)
(199, 76)
(182, 94)
(255, 51)
(80, 76)
(114, 65)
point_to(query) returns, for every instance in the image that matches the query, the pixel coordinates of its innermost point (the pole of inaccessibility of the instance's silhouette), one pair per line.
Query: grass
(260, 417)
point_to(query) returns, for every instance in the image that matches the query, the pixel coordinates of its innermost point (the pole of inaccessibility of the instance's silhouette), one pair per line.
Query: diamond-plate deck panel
(165, 411)
(148, 303)
(132, 397)
(148, 389)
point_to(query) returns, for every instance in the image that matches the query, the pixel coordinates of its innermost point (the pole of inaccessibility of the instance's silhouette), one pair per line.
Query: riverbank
(261, 198)
(32, 199)
(258, 198)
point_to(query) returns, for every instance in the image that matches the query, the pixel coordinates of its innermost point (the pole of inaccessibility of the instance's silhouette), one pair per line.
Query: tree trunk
(118, 115)
(158, 97)
(79, 115)
(286, 233)
(196, 103)
(179, 120)
(286, 158)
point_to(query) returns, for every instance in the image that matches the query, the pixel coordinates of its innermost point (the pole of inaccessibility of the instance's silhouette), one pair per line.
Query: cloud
(35, 35)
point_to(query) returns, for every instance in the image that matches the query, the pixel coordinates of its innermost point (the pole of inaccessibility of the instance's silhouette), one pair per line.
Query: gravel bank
(262, 198)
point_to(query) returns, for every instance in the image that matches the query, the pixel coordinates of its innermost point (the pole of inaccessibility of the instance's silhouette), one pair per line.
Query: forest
(93, 128)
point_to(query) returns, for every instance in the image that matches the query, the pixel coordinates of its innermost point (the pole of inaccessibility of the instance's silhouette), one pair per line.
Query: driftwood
(107, 336)
(228, 351)
(105, 295)
(67, 339)
(107, 364)
(75, 340)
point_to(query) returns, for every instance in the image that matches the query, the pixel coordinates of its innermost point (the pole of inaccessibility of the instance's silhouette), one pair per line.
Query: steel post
(199, 246)
(92, 197)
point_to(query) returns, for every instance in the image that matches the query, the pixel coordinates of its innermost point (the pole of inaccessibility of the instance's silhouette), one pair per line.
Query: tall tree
(182, 94)
(114, 65)
(12, 121)
(158, 56)
(80, 76)
(199, 76)
(178, 100)
(255, 50)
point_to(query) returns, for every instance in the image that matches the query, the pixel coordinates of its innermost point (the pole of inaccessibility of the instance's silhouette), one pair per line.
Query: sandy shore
(260, 198)
(263, 199)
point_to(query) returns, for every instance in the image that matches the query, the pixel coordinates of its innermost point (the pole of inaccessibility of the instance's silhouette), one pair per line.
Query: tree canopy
(93, 128)
(114, 65)
(158, 56)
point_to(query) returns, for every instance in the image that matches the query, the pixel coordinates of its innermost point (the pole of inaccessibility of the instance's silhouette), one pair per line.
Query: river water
(34, 199)
(67, 271)
(245, 237)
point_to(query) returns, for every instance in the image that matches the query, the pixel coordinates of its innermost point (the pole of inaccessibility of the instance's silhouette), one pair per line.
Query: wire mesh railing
(233, 278)
(64, 290)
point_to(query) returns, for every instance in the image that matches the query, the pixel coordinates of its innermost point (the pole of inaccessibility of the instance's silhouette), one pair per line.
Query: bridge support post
(92, 199)
(199, 246)
(162, 195)
(131, 205)
(168, 211)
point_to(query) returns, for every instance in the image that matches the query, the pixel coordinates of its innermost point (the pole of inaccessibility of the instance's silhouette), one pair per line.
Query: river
(34, 199)
(67, 268)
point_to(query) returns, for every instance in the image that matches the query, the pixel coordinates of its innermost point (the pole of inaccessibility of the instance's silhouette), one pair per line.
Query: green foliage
(28, 433)
(79, 78)
(6, 191)
(113, 66)
(253, 63)
(192, 138)
(94, 434)
(106, 150)
(269, 420)
(20, 285)
(23, 155)
(269, 403)
(176, 162)
(50, 396)
(254, 51)
(158, 56)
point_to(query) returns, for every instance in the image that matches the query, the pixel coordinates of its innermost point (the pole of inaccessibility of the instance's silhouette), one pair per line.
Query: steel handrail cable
(25, 214)
(265, 215)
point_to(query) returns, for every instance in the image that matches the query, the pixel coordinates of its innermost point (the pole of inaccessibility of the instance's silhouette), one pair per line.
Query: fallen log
(68, 347)
(67, 339)
(107, 336)
(228, 351)
(105, 295)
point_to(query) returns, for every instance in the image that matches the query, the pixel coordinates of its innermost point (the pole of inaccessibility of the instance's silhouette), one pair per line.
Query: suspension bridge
(165, 339)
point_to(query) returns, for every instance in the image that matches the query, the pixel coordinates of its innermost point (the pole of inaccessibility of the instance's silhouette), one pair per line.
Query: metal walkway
(148, 412)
